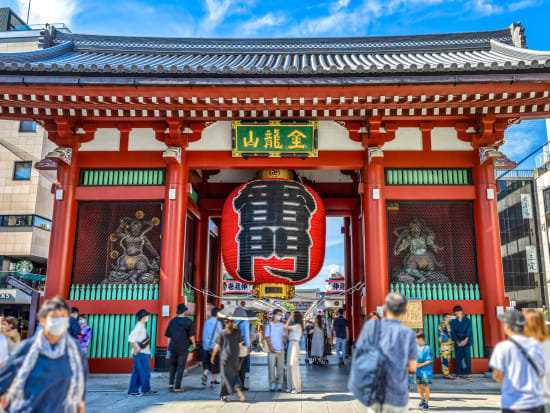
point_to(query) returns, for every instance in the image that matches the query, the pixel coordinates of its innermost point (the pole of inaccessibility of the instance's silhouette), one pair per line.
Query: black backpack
(367, 380)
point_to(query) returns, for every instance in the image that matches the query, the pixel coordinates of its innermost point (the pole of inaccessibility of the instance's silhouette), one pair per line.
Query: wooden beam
(120, 193)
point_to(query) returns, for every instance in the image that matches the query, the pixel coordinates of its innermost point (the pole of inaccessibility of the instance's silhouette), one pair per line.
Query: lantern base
(279, 291)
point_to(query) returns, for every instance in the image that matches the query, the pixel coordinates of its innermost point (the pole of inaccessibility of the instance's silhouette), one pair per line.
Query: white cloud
(334, 242)
(217, 10)
(522, 139)
(266, 22)
(49, 11)
(340, 4)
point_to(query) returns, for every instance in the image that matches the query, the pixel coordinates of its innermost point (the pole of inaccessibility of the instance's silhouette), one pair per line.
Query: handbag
(243, 350)
(524, 352)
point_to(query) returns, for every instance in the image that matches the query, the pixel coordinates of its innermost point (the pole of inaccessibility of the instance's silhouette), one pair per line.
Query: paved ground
(324, 391)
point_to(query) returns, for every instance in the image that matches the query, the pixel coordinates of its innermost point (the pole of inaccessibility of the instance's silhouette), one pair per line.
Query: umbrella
(237, 313)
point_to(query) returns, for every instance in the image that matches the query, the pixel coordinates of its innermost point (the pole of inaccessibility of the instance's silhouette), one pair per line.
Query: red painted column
(173, 240)
(489, 258)
(357, 273)
(217, 287)
(62, 237)
(348, 272)
(200, 272)
(374, 219)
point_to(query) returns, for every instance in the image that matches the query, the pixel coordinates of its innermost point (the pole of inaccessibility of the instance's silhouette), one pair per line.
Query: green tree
(289, 306)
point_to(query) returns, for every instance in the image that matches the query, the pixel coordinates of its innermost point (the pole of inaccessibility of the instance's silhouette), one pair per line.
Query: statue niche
(133, 266)
(420, 263)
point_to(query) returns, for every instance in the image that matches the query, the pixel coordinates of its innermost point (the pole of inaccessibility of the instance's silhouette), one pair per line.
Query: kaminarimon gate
(399, 135)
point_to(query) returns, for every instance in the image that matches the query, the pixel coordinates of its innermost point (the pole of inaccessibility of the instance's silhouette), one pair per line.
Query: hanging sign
(526, 206)
(273, 231)
(532, 262)
(274, 139)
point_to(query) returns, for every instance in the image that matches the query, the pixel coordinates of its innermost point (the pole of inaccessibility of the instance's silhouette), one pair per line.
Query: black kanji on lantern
(274, 221)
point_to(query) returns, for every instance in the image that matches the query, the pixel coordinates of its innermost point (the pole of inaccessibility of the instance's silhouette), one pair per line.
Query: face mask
(278, 317)
(56, 326)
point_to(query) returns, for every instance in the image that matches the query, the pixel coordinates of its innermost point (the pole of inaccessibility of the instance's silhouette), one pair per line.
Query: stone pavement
(324, 391)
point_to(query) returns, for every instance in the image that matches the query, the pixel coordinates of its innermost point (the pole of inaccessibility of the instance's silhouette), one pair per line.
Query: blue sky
(285, 18)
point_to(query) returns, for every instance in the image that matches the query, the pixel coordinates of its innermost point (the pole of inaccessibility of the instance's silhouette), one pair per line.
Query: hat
(142, 313)
(513, 318)
(237, 313)
(182, 308)
(457, 308)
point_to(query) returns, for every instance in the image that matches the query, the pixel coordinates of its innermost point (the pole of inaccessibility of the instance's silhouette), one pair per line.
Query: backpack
(367, 380)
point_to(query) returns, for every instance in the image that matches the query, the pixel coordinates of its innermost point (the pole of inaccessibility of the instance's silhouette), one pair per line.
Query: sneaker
(421, 404)
(280, 387)
(214, 382)
(204, 380)
(241, 395)
(425, 406)
(135, 394)
(293, 392)
(272, 387)
(288, 390)
(152, 393)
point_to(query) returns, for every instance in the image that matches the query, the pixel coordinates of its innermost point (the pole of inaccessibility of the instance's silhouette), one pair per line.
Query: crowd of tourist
(384, 356)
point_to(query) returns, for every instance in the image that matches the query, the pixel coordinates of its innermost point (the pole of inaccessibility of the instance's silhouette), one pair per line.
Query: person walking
(341, 331)
(518, 365)
(244, 326)
(47, 372)
(397, 345)
(74, 327)
(181, 334)
(535, 327)
(274, 335)
(445, 346)
(461, 333)
(209, 334)
(229, 344)
(141, 371)
(85, 334)
(295, 328)
(9, 330)
(424, 370)
(309, 336)
(318, 340)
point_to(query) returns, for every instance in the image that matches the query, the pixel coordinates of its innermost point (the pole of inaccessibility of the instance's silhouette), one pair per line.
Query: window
(22, 171)
(25, 221)
(546, 197)
(27, 126)
(43, 223)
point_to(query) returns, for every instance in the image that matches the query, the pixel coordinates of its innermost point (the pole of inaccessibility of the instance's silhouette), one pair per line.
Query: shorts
(424, 381)
(206, 365)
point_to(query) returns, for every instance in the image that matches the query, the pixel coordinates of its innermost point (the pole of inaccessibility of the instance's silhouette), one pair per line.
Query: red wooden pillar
(62, 238)
(173, 241)
(348, 273)
(374, 220)
(491, 277)
(200, 273)
(217, 287)
(358, 274)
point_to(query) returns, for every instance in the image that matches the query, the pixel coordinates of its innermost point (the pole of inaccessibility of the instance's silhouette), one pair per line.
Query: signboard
(282, 291)
(413, 318)
(526, 206)
(24, 267)
(274, 139)
(20, 285)
(532, 262)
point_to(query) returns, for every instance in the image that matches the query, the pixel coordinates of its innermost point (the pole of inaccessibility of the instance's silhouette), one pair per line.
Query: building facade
(521, 239)
(406, 131)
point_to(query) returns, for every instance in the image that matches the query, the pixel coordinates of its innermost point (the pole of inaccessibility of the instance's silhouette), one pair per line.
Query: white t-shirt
(139, 333)
(295, 333)
(3, 349)
(521, 387)
(276, 333)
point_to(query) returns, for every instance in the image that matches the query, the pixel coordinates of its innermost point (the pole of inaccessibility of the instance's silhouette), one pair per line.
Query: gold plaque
(414, 317)
(275, 173)
(280, 291)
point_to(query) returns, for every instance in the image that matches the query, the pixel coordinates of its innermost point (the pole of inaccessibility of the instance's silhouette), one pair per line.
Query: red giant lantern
(273, 231)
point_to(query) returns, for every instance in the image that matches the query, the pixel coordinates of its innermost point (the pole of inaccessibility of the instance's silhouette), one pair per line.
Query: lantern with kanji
(273, 232)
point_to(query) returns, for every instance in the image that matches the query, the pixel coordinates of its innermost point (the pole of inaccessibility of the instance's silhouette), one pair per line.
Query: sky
(286, 18)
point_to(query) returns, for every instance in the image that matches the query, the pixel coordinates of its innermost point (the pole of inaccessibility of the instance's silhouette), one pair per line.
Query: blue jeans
(141, 374)
(247, 364)
(341, 346)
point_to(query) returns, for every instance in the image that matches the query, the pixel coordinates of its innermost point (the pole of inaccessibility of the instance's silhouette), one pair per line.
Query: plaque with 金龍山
(275, 139)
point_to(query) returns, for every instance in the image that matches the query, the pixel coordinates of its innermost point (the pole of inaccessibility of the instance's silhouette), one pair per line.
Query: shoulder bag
(526, 355)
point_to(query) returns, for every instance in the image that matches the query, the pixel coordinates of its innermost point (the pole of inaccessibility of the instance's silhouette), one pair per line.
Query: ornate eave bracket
(487, 132)
(373, 133)
(175, 132)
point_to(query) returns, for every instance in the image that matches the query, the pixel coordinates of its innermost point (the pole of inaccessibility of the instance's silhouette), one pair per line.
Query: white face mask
(56, 326)
(278, 317)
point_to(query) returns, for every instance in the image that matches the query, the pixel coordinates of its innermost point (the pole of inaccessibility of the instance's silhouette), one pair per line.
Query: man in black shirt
(180, 333)
(341, 330)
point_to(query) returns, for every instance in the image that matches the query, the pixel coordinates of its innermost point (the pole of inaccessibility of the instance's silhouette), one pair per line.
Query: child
(445, 346)
(424, 370)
